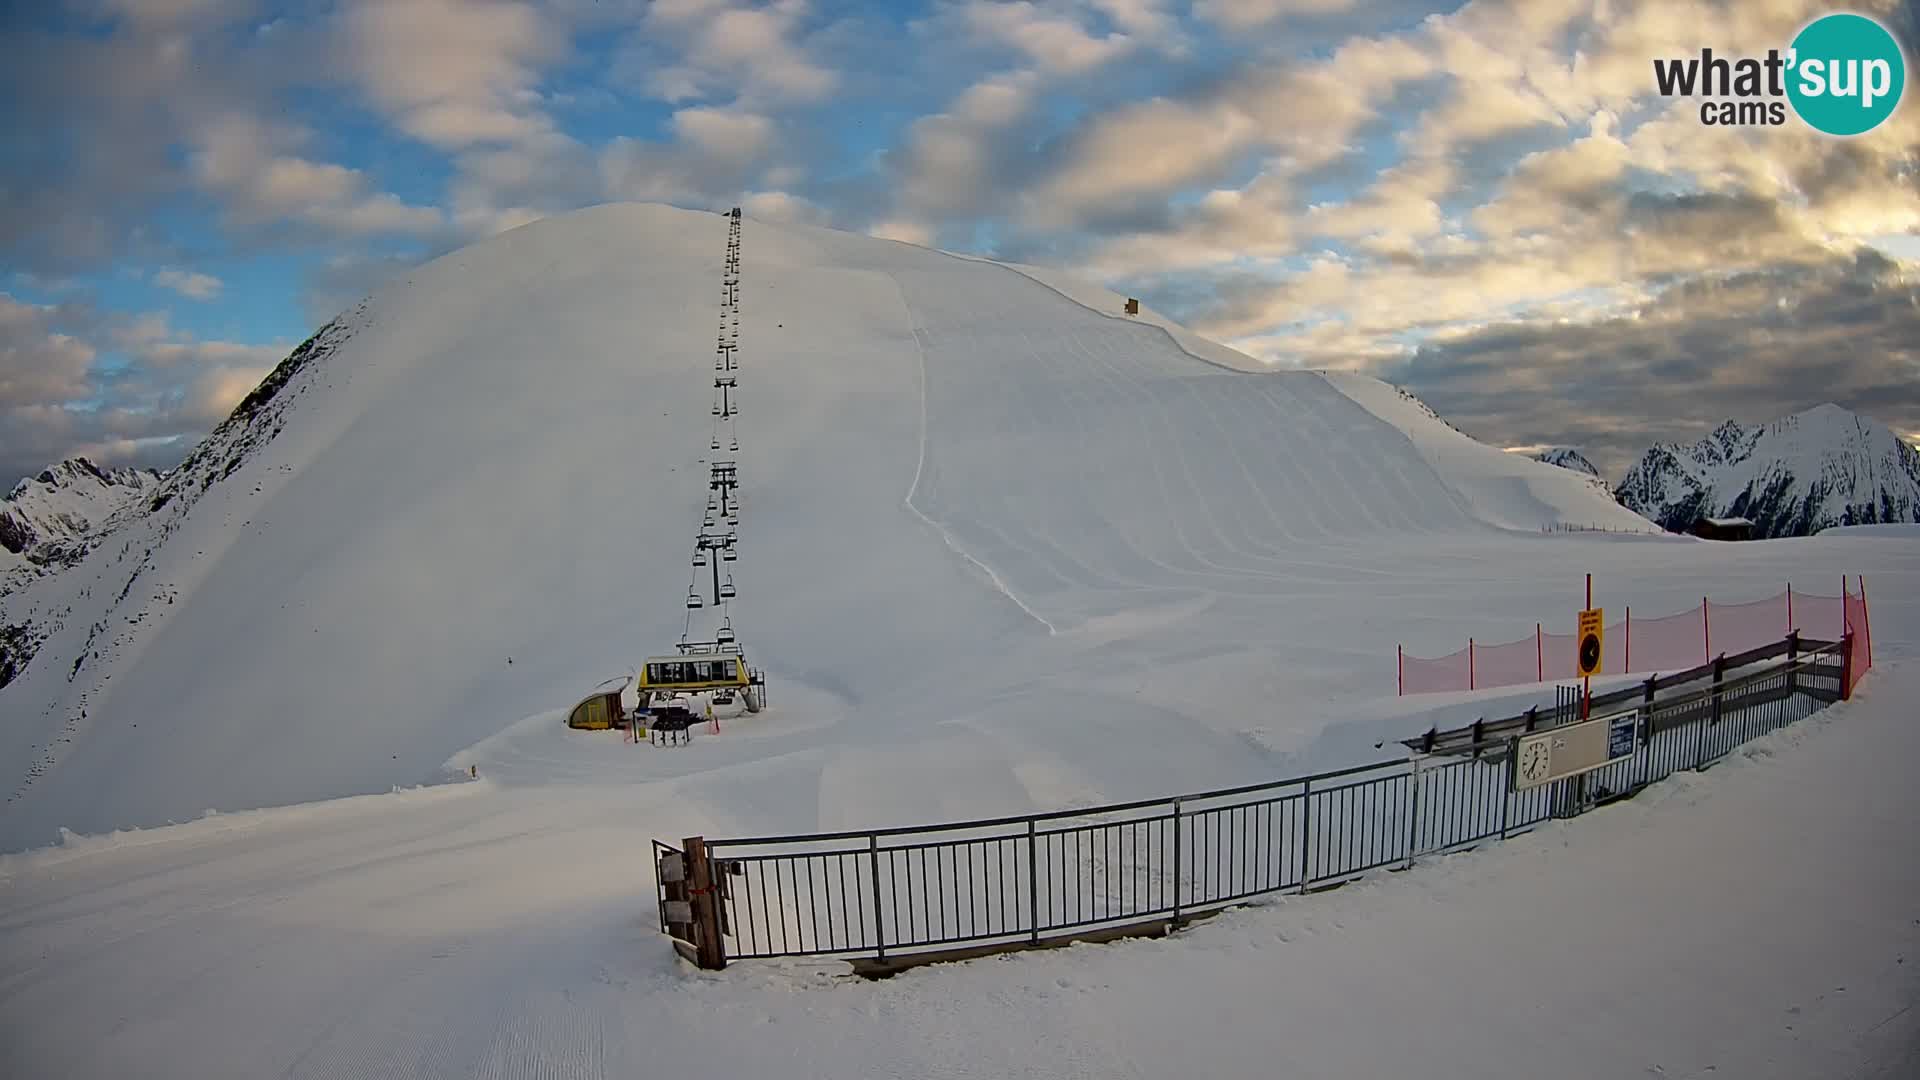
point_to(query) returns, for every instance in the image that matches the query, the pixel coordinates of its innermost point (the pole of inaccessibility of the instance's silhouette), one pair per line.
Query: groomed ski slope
(1753, 921)
(990, 525)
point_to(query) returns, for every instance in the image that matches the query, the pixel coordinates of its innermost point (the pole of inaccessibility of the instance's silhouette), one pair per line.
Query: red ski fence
(1639, 645)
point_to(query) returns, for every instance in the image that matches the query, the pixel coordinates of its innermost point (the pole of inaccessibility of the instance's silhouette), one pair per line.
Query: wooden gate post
(710, 950)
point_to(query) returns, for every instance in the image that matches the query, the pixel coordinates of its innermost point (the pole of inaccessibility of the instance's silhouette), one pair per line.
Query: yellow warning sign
(1592, 636)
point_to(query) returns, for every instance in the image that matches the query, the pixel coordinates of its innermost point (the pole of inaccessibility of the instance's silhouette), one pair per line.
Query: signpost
(1620, 732)
(1541, 757)
(1592, 638)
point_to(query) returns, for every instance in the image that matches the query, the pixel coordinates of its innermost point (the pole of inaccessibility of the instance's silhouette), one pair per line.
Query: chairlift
(726, 590)
(736, 446)
(693, 598)
(724, 635)
(700, 557)
(728, 555)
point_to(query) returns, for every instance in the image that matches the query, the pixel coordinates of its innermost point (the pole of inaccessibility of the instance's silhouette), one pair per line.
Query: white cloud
(190, 284)
(1247, 14)
(453, 73)
(951, 158)
(1052, 39)
(724, 135)
(780, 206)
(38, 365)
(245, 162)
(745, 55)
(56, 401)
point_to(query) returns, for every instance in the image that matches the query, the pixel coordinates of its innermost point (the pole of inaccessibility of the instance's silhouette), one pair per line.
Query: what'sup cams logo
(1843, 75)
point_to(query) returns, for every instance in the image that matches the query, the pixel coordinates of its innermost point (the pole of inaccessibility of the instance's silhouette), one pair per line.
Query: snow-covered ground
(1003, 549)
(1753, 921)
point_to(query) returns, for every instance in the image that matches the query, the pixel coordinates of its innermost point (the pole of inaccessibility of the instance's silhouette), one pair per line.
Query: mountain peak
(64, 502)
(1819, 467)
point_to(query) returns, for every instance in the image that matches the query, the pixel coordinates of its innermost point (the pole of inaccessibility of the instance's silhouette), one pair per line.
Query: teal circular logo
(1846, 74)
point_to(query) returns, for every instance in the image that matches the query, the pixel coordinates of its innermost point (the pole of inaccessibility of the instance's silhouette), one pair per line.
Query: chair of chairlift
(693, 598)
(728, 555)
(700, 557)
(727, 590)
(724, 635)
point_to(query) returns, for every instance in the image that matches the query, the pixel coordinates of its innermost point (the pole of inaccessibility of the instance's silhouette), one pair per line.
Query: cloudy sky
(1487, 203)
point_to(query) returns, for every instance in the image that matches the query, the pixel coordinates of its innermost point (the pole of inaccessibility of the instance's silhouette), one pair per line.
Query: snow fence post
(1846, 665)
(1400, 670)
(1413, 805)
(1626, 664)
(879, 927)
(1033, 876)
(1470, 685)
(710, 952)
(1646, 730)
(1176, 864)
(1306, 834)
(1793, 662)
(1539, 656)
(1706, 632)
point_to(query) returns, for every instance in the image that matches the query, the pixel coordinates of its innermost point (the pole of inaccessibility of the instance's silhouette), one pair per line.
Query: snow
(1752, 921)
(1003, 549)
(1505, 489)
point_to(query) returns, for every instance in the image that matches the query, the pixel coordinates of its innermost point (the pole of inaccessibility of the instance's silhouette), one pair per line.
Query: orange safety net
(1642, 645)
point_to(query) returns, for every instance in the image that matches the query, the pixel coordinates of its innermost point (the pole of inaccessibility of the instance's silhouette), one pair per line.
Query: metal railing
(1153, 864)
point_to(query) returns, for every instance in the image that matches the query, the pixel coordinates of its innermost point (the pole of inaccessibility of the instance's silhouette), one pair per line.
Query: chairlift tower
(722, 547)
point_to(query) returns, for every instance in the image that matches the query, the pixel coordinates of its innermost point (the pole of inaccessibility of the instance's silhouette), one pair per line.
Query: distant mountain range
(46, 518)
(1567, 458)
(1819, 468)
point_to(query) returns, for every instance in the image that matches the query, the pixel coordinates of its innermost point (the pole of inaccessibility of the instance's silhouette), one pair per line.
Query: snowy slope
(1753, 921)
(990, 532)
(1793, 477)
(1506, 489)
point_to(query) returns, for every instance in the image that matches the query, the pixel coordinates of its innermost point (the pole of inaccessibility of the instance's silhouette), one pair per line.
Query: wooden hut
(1729, 528)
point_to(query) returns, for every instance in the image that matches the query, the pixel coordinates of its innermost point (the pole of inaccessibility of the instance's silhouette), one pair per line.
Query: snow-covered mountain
(963, 482)
(1567, 458)
(1793, 477)
(45, 517)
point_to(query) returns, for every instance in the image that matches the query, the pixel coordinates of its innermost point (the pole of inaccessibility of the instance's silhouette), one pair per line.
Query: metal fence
(1026, 879)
